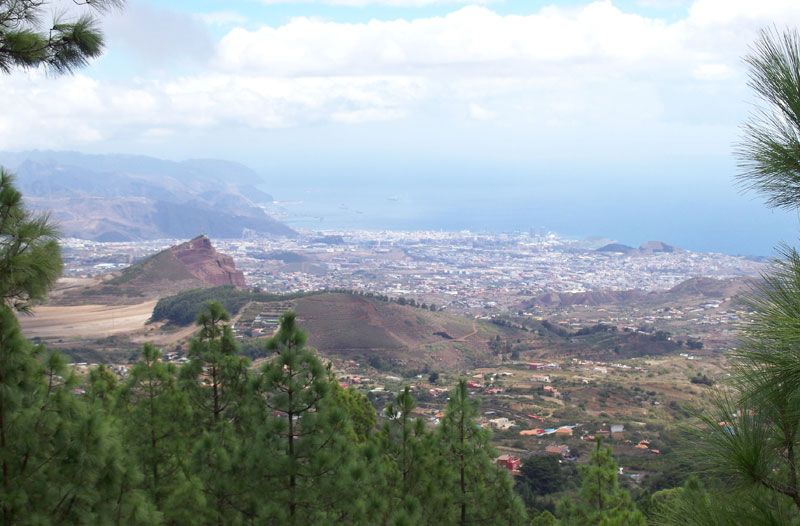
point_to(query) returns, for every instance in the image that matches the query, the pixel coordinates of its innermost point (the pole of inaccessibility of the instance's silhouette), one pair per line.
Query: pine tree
(313, 465)
(30, 259)
(102, 386)
(413, 467)
(215, 380)
(484, 492)
(216, 375)
(545, 518)
(360, 412)
(601, 500)
(26, 42)
(748, 437)
(60, 456)
(154, 414)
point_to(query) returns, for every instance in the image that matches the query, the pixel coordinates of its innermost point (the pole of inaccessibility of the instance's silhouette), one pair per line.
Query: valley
(552, 366)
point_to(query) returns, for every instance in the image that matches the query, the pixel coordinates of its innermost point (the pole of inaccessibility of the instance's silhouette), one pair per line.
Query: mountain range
(133, 197)
(649, 247)
(693, 289)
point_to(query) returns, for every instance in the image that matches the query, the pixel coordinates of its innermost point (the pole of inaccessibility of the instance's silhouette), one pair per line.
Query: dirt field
(85, 321)
(159, 338)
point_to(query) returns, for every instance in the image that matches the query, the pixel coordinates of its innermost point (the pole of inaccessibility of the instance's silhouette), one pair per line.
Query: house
(494, 390)
(561, 449)
(502, 423)
(532, 432)
(552, 391)
(509, 462)
(541, 378)
(564, 431)
(473, 385)
(617, 431)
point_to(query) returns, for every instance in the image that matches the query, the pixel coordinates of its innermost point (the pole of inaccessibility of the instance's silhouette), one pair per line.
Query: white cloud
(712, 72)
(590, 68)
(72, 111)
(479, 113)
(472, 35)
(158, 36)
(392, 3)
(705, 13)
(662, 4)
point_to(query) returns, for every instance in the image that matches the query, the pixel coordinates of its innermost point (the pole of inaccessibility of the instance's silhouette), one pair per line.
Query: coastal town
(465, 272)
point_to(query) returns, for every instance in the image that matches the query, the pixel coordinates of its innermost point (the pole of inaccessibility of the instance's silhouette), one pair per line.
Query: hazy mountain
(616, 247)
(128, 197)
(691, 290)
(656, 246)
(646, 248)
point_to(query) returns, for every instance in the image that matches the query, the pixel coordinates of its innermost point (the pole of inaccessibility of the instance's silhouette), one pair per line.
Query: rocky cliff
(190, 265)
(206, 264)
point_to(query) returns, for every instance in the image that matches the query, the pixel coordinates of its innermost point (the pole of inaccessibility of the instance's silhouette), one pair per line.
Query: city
(464, 272)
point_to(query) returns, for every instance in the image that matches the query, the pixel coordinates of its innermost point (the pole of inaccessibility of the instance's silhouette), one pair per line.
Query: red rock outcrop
(209, 266)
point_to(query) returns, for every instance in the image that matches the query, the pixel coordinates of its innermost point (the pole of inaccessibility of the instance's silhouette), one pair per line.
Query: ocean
(718, 219)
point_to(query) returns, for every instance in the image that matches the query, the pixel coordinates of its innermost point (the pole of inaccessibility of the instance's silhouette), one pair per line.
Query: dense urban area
(461, 271)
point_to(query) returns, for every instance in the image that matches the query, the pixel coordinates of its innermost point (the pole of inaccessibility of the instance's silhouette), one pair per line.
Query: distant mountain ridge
(699, 287)
(649, 247)
(131, 197)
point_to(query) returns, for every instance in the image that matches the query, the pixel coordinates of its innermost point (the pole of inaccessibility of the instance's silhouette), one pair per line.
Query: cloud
(717, 13)
(479, 113)
(590, 70)
(662, 4)
(157, 36)
(472, 36)
(75, 111)
(391, 3)
(712, 72)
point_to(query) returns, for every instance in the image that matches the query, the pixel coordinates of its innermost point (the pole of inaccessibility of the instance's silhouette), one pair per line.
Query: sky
(585, 100)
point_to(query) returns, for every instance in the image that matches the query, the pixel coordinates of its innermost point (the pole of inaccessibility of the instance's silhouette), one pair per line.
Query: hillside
(190, 265)
(126, 197)
(388, 336)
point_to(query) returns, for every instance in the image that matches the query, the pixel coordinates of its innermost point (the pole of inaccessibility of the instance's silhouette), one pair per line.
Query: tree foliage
(747, 439)
(64, 43)
(30, 259)
(601, 500)
(769, 152)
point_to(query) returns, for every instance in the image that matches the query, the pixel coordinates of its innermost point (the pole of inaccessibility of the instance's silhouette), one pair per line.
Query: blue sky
(617, 96)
